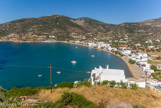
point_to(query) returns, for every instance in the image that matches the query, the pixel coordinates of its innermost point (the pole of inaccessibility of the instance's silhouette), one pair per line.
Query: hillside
(105, 95)
(64, 28)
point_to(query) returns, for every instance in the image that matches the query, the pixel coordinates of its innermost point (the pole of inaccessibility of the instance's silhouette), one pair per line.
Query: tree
(132, 61)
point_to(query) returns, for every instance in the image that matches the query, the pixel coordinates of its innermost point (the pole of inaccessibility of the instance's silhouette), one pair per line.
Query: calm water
(21, 63)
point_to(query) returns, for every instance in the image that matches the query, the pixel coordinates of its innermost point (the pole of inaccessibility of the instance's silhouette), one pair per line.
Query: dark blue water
(21, 63)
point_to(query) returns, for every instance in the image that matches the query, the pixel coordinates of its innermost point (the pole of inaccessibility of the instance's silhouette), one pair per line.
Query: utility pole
(50, 79)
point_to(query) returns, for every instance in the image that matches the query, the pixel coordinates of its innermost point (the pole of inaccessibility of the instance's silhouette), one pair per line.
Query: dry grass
(107, 95)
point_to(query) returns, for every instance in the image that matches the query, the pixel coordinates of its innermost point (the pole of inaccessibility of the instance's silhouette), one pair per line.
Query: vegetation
(138, 106)
(153, 67)
(27, 91)
(133, 86)
(71, 99)
(65, 84)
(112, 83)
(156, 75)
(132, 61)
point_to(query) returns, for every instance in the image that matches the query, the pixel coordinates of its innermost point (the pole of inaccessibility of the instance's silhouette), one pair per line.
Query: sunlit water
(27, 64)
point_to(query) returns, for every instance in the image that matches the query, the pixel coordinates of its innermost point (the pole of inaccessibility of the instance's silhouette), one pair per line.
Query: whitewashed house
(101, 74)
(126, 52)
(138, 45)
(141, 84)
(149, 41)
(139, 57)
(150, 47)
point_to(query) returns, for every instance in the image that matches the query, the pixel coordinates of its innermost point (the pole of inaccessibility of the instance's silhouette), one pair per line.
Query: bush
(123, 85)
(65, 84)
(27, 91)
(105, 82)
(153, 67)
(132, 61)
(74, 100)
(133, 86)
(138, 106)
(112, 83)
(84, 83)
(46, 105)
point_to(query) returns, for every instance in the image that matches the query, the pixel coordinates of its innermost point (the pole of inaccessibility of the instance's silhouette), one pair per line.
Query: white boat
(93, 56)
(73, 62)
(76, 47)
(88, 72)
(58, 72)
(39, 75)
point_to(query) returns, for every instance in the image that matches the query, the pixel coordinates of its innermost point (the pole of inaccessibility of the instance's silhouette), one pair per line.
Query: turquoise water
(21, 63)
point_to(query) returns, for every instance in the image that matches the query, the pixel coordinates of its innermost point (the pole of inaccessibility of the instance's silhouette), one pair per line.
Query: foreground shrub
(27, 91)
(112, 83)
(138, 106)
(74, 100)
(65, 84)
(105, 82)
(123, 85)
(133, 86)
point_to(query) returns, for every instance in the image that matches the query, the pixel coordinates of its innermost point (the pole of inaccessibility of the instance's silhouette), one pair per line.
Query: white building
(149, 41)
(138, 45)
(139, 57)
(150, 47)
(126, 52)
(100, 74)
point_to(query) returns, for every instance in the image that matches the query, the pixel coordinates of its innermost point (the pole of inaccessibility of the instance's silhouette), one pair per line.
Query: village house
(102, 74)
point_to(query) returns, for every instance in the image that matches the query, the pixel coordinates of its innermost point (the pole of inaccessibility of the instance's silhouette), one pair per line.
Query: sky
(109, 11)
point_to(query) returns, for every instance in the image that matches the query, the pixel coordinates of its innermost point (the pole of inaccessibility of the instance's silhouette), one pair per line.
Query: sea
(28, 64)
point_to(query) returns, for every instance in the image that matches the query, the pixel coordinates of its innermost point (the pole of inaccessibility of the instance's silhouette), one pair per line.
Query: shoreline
(133, 68)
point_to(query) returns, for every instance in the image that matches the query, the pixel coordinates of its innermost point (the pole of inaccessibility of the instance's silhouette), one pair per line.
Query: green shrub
(138, 106)
(134, 86)
(73, 99)
(22, 91)
(123, 85)
(46, 105)
(132, 61)
(65, 84)
(105, 82)
(153, 67)
(112, 83)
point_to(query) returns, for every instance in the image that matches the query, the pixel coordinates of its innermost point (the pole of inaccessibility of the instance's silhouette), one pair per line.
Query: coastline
(135, 72)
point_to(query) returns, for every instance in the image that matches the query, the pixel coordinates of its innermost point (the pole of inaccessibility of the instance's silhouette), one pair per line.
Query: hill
(65, 28)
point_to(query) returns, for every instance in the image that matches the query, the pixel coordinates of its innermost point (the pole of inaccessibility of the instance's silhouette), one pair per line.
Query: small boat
(73, 62)
(93, 56)
(39, 75)
(58, 72)
(76, 47)
(88, 72)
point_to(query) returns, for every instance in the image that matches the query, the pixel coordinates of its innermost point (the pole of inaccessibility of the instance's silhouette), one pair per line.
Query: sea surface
(21, 63)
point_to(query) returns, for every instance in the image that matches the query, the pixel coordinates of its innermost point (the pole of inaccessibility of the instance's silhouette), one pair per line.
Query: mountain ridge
(65, 28)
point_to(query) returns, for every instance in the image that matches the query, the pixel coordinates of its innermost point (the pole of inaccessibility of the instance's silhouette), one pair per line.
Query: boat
(76, 47)
(58, 72)
(93, 56)
(73, 62)
(39, 75)
(88, 72)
